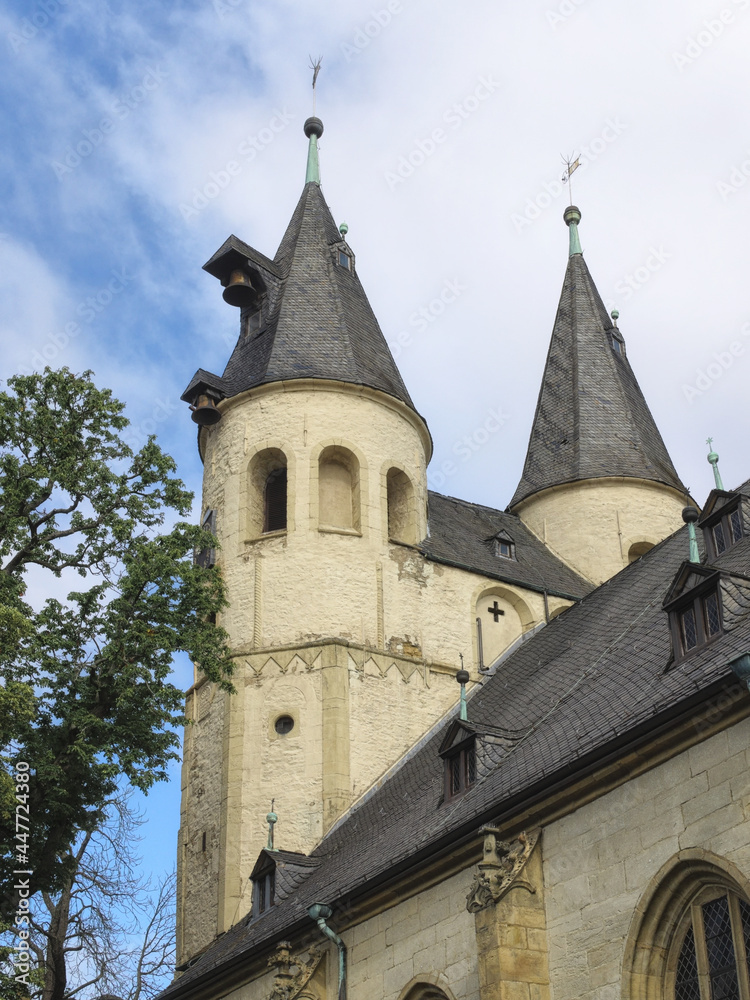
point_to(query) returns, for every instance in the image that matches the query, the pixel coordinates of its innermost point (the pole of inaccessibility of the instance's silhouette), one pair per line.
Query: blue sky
(444, 129)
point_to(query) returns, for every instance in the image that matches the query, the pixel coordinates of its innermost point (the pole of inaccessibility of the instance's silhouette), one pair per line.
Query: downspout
(319, 912)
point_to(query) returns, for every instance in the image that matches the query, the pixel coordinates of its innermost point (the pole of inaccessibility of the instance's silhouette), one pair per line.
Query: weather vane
(572, 163)
(315, 67)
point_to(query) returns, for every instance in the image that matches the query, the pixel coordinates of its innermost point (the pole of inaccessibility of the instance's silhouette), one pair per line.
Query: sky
(138, 136)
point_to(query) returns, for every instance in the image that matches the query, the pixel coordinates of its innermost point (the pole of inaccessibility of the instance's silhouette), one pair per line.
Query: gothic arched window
(690, 932)
(711, 961)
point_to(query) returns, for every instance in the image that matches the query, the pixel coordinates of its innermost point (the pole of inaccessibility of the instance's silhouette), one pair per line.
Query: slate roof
(586, 683)
(591, 419)
(318, 322)
(461, 534)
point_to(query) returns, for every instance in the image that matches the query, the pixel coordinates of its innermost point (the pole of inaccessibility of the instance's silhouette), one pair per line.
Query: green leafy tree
(86, 697)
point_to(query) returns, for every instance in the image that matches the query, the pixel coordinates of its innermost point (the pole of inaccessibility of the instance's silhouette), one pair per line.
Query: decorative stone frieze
(501, 868)
(288, 984)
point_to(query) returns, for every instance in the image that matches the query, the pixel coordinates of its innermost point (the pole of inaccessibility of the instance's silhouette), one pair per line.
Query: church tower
(314, 474)
(598, 486)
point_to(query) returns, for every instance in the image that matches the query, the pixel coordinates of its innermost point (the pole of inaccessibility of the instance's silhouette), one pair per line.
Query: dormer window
(254, 319)
(503, 546)
(460, 770)
(264, 882)
(459, 754)
(263, 892)
(345, 260)
(700, 621)
(694, 608)
(618, 344)
(726, 532)
(721, 522)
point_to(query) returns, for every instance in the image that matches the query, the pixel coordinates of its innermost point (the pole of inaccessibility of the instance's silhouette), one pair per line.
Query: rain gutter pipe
(319, 912)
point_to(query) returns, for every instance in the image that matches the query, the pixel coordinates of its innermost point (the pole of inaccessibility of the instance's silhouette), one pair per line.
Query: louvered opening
(274, 516)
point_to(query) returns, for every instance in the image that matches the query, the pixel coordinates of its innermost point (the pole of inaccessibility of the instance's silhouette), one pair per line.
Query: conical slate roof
(317, 320)
(591, 418)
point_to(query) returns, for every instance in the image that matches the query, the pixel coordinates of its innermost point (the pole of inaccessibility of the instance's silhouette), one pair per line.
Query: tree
(108, 930)
(86, 698)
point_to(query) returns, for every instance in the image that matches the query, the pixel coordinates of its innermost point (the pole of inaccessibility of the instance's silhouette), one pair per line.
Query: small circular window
(284, 724)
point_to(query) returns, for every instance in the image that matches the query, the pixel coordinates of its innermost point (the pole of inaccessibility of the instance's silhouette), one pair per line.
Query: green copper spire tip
(463, 679)
(572, 216)
(713, 458)
(271, 819)
(313, 130)
(690, 515)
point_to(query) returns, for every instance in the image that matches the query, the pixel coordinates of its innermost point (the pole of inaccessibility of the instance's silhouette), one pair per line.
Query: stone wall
(593, 525)
(357, 704)
(600, 860)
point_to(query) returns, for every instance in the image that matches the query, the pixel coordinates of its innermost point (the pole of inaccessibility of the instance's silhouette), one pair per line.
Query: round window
(284, 724)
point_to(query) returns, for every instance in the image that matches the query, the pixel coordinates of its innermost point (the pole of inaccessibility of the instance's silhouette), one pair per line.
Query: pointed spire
(314, 319)
(713, 458)
(591, 420)
(313, 130)
(572, 216)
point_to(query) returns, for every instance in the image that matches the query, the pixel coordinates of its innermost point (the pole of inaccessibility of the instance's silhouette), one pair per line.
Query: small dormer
(276, 875)
(694, 606)
(502, 545)
(263, 877)
(722, 522)
(617, 342)
(458, 752)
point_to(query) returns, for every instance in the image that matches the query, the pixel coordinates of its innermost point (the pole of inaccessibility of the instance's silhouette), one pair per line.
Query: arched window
(638, 549)
(267, 491)
(690, 933)
(338, 485)
(400, 494)
(274, 501)
(710, 963)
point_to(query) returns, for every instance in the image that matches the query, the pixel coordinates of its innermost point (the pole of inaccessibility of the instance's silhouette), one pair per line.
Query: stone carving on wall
(500, 869)
(288, 984)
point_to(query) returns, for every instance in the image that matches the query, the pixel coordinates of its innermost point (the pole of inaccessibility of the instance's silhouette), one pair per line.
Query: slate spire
(591, 419)
(312, 318)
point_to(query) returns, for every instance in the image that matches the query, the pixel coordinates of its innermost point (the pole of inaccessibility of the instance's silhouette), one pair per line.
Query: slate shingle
(591, 420)
(320, 322)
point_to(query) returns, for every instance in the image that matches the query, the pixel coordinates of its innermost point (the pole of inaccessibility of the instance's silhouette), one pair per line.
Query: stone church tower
(348, 616)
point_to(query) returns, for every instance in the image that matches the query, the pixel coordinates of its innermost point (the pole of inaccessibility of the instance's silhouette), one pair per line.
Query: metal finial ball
(615, 314)
(313, 126)
(690, 515)
(463, 676)
(572, 214)
(712, 457)
(343, 229)
(271, 817)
